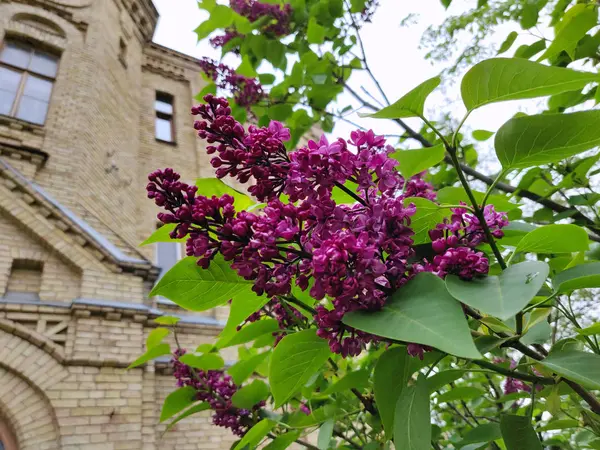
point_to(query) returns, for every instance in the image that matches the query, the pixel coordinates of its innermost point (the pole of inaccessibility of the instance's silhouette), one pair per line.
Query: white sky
(393, 53)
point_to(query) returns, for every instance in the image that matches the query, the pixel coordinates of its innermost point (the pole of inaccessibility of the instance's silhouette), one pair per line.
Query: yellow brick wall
(60, 281)
(63, 383)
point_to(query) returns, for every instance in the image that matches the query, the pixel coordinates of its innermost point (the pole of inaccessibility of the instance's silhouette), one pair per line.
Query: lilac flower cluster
(353, 254)
(277, 22)
(246, 91)
(512, 385)
(215, 388)
(454, 241)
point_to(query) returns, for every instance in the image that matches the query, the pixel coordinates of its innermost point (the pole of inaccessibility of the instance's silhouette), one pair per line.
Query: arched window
(27, 75)
(7, 438)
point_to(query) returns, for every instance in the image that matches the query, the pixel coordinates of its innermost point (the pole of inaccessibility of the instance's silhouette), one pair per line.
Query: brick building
(88, 106)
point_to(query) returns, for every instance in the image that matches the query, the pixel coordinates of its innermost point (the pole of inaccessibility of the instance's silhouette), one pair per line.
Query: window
(164, 126)
(26, 78)
(167, 255)
(25, 280)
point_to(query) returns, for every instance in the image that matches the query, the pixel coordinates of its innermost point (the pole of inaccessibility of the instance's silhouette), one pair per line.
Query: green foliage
(501, 79)
(529, 141)
(162, 235)
(441, 325)
(556, 238)
(518, 434)
(410, 105)
(391, 376)
(412, 429)
(581, 367)
(177, 401)
(504, 295)
(251, 394)
(196, 289)
(293, 362)
(384, 394)
(412, 162)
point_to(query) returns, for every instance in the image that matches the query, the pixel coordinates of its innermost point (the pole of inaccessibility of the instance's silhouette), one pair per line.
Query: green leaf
(249, 333)
(504, 295)
(154, 352)
(556, 238)
(162, 234)
(315, 33)
(208, 361)
(294, 360)
(537, 334)
(255, 434)
(412, 426)
(529, 141)
(426, 217)
(460, 393)
(246, 69)
(559, 425)
(411, 105)
(508, 42)
(242, 307)
(581, 367)
(527, 51)
(518, 434)
(583, 276)
(199, 407)
(390, 378)
(482, 135)
(444, 377)
(177, 401)
(283, 441)
(412, 162)
(213, 186)
(589, 331)
(481, 434)
(496, 325)
(422, 311)
(488, 342)
(576, 22)
(248, 396)
(358, 379)
(325, 433)
(454, 195)
(167, 320)
(241, 370)
(197, 289)
(501, 79)
(221, 16)
(155, 337)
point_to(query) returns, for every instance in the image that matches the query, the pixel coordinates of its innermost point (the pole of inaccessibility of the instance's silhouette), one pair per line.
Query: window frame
(25, 74)
(160, 96)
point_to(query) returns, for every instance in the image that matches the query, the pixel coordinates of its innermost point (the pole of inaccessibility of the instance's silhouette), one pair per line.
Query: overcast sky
(393, 53)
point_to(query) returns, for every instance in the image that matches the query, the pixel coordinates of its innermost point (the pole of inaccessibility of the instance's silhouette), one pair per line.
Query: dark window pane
(44, 64)
(163, 107)
(163, 129)
(37, 88)
(9, 79)
(167, 255)
(32, 110)
(16, 54)
(6, 101)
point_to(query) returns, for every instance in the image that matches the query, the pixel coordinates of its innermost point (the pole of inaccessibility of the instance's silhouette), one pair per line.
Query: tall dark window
(164, 124)
(27, 75)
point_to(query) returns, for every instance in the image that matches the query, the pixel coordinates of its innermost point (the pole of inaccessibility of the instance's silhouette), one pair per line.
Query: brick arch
(64, 30)
(26, 372)
(28, 412)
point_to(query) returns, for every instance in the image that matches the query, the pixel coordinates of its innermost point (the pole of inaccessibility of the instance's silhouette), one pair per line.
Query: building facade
(89, 105)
